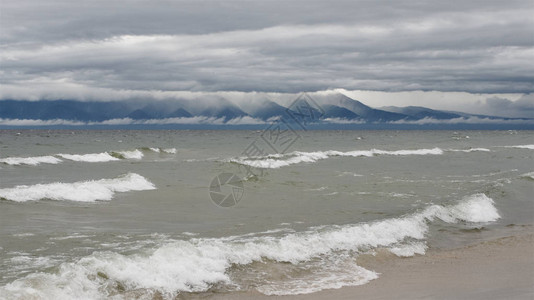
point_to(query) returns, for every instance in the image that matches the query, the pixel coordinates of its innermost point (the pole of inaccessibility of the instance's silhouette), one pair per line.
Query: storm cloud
(112, 50)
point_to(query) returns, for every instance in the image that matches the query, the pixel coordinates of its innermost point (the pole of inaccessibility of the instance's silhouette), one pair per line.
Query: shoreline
(502, 268)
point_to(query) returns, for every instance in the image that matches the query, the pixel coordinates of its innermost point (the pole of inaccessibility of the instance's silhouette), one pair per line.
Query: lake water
(129, 214)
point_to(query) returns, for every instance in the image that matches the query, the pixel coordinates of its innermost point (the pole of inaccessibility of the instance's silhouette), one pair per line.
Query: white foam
(25, 234)
(350, 173)
(337, 273)
(471, 150)
(164, 150)
(318, 189)
(522, 147)
(528, 175)
(170, 150)
(92, 157)
(32, 161)
(197, 264)
(477, 208)
(134, 154)
(433, 151)
(410, 249)
(275, 161)
(69, 237)
(23, 262)
(83, 191)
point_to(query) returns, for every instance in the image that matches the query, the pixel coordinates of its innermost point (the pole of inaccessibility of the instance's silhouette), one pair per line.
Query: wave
(528, 175)
(83, 191)
(31, 161)
(319, 258)
(531, 147)
(275, 161)
(471, 150)
(134, 154)
(164, 150)
(92, 157)
(169, 150)
(409, 250)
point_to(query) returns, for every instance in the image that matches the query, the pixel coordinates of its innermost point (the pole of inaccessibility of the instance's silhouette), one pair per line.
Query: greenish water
(147, 225)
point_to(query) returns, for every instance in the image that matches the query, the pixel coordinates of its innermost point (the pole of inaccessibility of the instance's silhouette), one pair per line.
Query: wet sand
(497, 269)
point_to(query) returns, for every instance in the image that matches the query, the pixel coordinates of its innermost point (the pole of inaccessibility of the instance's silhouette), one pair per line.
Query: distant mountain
(363, 111)
(227, 113)
(159, 110)
(305, 109)
(333, 111)
(213, 106)
(179, 113)
(319, 106)
(419, 112)
(262, 108)
(139, 114)
(467, 115)
(150, 111)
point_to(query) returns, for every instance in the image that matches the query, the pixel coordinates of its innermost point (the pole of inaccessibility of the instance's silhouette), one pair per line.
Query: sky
(473, 56)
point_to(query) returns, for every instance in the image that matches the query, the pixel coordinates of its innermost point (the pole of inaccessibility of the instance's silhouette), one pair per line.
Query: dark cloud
(523, 107)
(104, 48)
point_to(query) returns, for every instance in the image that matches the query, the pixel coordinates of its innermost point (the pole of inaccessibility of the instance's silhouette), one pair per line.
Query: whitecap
(169, 150)
(477, 208)
(409, 249)
(195, 265)
(25, 234)
(274, 161)
(350, 174)
(92, 157)
(318, 189)
(32, 161)
(470, 150)
(83, 191)
(134, 154)
(531, 147)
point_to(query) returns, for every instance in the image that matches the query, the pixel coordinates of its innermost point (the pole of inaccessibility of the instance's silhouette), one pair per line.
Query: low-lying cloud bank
(469, 120)
(200, 120)
(246, 120)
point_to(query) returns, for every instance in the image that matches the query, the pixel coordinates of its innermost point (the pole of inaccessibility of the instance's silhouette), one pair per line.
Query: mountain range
(334, 106)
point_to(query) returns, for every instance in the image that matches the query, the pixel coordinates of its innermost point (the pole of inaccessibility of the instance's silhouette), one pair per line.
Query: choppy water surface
(96, 214)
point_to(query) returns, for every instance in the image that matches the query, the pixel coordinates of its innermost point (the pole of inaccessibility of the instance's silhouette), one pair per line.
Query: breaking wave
(275, 161)
(316, 259)
(471, 150)
(160, 150)
(529, 175)
(90, 157)
(82, 191)
(135, 154)
(531, 147)
(31, 161)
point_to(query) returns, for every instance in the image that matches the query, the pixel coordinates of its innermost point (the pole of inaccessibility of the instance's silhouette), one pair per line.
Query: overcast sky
(441, 54)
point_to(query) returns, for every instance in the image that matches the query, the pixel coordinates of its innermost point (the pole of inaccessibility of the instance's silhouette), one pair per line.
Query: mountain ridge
(327, 107)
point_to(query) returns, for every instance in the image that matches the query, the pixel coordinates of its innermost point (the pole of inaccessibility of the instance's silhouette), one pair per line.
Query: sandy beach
(498, 269)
